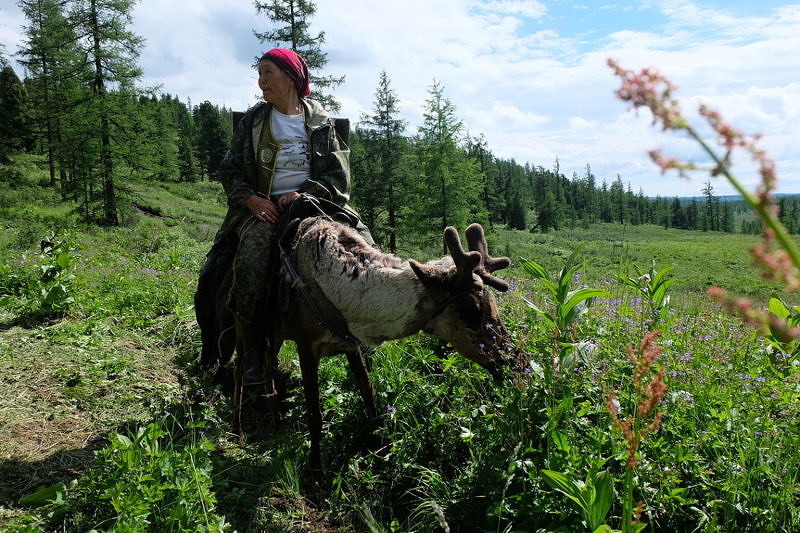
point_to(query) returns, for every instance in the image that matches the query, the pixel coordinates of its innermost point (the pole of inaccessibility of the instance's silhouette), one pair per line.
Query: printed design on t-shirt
(295, 154)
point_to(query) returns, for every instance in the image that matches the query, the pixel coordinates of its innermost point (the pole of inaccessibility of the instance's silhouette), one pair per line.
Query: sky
(529, 75)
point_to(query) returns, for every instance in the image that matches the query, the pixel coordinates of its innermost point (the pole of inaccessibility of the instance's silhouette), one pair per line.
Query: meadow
(106, 424)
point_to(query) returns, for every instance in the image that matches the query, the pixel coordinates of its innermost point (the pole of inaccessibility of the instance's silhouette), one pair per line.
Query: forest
(643, 403)
(81, 106)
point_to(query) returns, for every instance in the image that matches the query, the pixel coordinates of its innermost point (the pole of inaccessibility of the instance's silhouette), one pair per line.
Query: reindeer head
(467, 315)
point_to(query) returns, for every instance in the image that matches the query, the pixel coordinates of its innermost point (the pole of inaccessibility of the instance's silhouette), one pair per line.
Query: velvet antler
(466, 262)
(477, 243)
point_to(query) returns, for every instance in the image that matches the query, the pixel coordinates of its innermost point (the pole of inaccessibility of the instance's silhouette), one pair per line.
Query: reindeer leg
(309, 367)
(358, 366)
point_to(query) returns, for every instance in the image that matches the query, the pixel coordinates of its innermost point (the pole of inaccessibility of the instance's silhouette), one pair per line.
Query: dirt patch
(305, 519)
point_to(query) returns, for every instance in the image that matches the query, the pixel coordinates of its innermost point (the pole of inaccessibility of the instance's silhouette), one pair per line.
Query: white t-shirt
(293, 161)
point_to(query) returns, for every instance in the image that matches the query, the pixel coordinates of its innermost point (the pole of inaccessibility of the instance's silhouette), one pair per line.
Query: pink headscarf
(293, 65)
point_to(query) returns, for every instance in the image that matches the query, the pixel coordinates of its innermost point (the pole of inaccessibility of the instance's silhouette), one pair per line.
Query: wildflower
(651, 90)
(390, 409)
(614, 405)
(670, 163)
(650, 390)
(682, 396)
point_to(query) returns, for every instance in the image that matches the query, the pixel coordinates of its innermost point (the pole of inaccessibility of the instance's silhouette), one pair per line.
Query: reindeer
(377, 297)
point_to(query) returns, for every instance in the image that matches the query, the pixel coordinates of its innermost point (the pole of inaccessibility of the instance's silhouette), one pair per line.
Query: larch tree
(448, 191)
(382, 188)
(110, 52)
(292, 20)
(211, 138)
(50, 56)
(14, 116)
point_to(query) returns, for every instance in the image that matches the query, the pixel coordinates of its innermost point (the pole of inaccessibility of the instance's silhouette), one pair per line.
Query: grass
(100, 404)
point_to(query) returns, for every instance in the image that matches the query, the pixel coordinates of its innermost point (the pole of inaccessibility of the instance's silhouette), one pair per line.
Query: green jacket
(330, 163)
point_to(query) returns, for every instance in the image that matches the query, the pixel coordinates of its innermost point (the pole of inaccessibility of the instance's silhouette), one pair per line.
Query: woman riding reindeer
(283, 146)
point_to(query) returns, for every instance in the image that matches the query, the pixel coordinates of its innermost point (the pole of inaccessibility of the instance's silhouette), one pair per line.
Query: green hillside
(103, 407)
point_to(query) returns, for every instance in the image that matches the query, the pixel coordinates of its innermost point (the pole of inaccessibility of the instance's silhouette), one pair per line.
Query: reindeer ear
(430, 276)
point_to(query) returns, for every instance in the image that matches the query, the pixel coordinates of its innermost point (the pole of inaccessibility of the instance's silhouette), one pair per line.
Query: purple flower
(390, 409)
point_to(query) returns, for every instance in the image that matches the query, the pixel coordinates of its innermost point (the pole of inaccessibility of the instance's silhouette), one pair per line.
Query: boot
(254, 346)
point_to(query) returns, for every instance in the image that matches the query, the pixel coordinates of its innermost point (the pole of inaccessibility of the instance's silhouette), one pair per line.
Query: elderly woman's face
(275, 84)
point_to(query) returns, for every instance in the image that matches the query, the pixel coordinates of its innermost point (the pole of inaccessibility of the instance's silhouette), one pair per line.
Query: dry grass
(60, 395)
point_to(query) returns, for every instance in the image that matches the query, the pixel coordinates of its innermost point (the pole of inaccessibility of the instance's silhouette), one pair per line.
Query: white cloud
(524, 8)
(536, 92)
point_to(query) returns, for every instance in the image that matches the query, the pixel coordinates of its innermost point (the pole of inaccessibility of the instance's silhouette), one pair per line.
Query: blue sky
(529, 75)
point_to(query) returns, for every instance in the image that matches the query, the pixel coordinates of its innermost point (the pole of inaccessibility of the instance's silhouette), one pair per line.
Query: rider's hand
(286, 199)
(262, 208)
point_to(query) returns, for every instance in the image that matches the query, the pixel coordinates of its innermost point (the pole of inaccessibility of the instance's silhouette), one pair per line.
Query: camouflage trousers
(251, 268)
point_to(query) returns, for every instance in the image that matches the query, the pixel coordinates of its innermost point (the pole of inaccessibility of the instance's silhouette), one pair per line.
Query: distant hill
(729, 197)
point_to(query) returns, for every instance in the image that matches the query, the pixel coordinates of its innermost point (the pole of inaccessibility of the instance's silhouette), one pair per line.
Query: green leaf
(603, 498)
(660, 274)
(63, 260)
(537, 271)
(566, 486)
(658, 297)
(778, 308)
(53, 493)
(570, 310)
(547, 317)
(561, 441)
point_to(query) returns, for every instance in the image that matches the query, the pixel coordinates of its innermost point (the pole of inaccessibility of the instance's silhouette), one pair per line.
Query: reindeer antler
(466, 262)
(477, 243)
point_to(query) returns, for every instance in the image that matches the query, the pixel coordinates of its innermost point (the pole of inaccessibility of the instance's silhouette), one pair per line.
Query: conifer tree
(292, 18)
(14, 117)
(110, 51)
(709, 219)
(380, 191)
(50, 56)
(619, 205)
(211, 138)
(491, 196)
(185, 142)
(449, 189)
